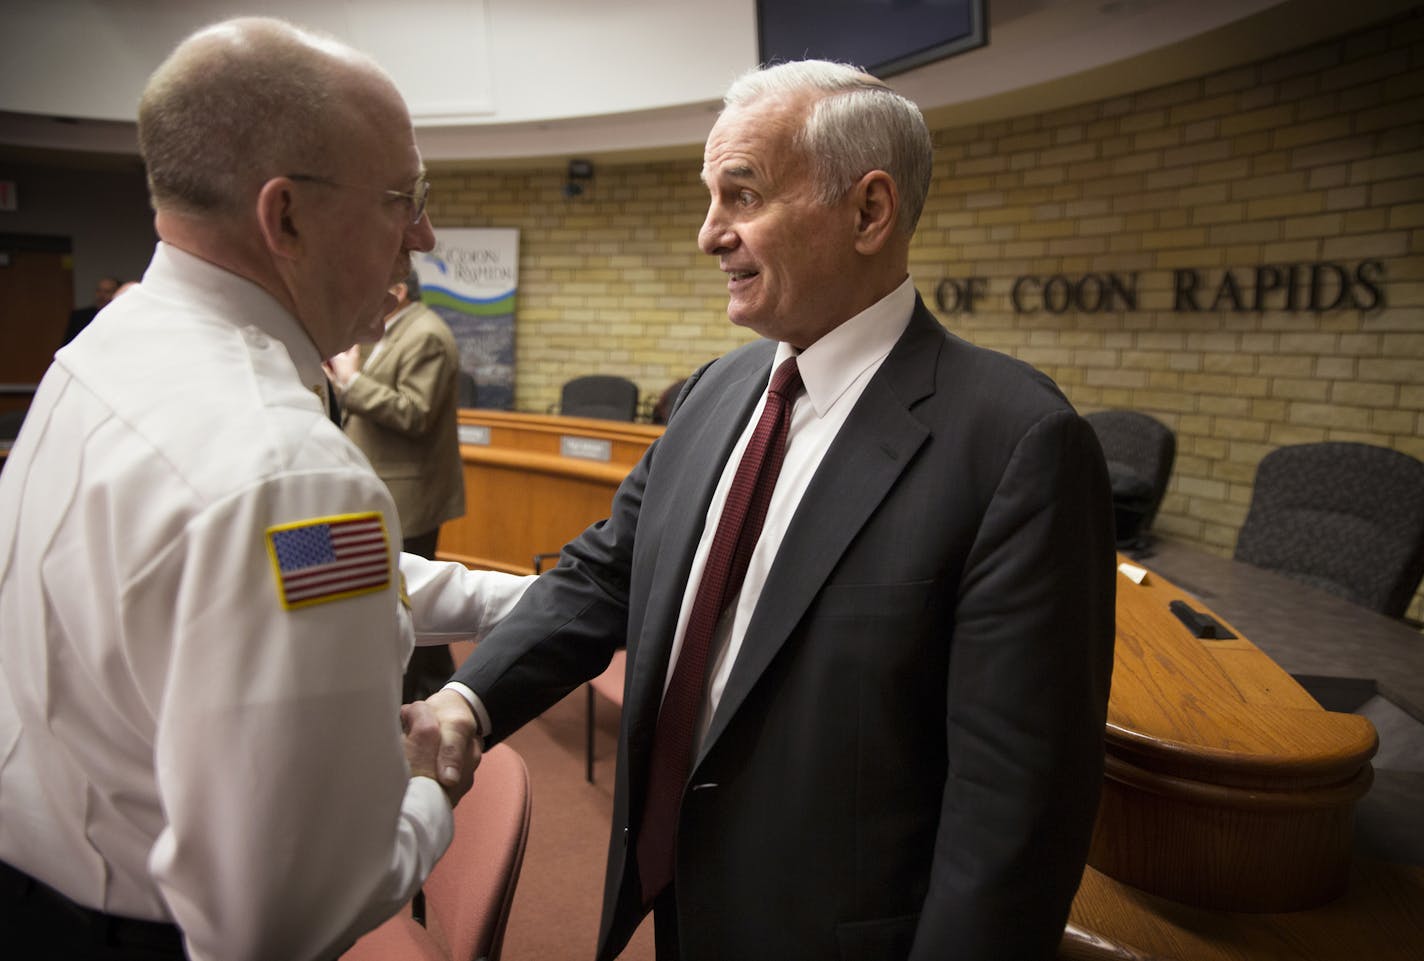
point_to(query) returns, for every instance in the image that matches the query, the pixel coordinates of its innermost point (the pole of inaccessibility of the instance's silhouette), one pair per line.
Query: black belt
(36, 921)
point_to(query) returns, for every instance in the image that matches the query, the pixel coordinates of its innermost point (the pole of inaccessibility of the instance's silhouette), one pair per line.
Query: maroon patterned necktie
(737, 533)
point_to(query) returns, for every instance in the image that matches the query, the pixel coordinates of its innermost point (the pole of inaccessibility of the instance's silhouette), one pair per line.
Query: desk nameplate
(586, 448)
(476, 434)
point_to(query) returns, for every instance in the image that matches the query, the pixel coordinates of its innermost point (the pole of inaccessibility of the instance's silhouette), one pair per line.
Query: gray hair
(856, 124)
(234, 105)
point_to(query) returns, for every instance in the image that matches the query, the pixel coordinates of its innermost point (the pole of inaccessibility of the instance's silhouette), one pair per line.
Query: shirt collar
(176, 274)
(830, 365)
(400, 315)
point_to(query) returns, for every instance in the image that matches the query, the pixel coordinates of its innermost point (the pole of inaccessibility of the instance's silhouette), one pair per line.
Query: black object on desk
(1200, 623)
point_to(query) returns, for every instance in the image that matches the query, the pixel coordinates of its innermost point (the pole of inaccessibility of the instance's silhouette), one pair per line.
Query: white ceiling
(494, 81)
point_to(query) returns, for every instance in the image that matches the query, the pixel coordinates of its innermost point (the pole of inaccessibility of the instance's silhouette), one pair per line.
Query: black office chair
(1344, 517)
(1140, 450)
(663, 407)
(600, 395)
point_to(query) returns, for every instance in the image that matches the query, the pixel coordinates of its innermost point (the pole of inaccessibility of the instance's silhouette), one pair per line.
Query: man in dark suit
(897, 748)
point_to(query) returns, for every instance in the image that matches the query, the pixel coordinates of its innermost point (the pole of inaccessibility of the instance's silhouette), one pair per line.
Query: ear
(877, 204)
(277, 216)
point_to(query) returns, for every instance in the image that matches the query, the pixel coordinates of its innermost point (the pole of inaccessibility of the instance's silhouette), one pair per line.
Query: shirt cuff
(482, 719)
(428, 807)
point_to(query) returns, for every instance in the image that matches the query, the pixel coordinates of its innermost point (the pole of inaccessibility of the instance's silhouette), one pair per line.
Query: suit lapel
(389, 340)
(873, 448)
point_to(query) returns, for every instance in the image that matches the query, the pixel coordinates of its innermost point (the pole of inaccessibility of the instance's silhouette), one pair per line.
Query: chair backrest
(1341, 516)
(1140, 451)
(400, 938)
(470, 892)
(663, 407)
(600, 395)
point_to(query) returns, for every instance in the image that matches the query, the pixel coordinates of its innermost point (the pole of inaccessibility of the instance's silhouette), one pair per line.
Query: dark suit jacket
(907, 756)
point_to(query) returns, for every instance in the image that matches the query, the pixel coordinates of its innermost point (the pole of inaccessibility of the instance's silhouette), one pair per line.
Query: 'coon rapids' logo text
(1316, 287)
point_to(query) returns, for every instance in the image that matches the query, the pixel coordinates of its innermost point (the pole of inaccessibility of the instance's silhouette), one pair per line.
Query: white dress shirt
(834, 371)
(176, 743)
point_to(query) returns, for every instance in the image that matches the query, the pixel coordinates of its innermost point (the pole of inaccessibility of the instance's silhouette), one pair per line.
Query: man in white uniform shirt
(202, 623)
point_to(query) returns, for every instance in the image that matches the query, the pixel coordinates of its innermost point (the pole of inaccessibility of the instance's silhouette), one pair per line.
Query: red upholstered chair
(399, 939)
(470, 892)
(610, 685)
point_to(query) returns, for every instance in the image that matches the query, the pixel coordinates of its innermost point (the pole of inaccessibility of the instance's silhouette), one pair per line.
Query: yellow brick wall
(1317, 156)
(610, 282)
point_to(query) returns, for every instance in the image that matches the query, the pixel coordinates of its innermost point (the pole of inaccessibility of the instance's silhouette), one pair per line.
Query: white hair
(855, 125)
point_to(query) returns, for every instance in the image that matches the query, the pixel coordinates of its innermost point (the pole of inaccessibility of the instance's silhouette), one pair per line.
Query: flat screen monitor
(883, 36)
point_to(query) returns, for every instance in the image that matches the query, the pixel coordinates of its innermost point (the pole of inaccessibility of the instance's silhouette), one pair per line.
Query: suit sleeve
(1030, 668)
(570, 621)
(567, 625)
(425, 378)
(292, 824)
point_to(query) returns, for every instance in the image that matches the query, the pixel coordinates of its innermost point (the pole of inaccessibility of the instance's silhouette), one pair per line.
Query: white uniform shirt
(176, 743)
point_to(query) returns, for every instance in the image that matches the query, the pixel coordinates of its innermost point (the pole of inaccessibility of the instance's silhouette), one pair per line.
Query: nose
(421, 234)
(716, 235)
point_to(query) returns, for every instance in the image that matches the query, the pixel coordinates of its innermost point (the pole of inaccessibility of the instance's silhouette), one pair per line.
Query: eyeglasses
(416, 198)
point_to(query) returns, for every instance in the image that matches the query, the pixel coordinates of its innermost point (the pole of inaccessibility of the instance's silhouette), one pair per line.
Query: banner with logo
(470, 279)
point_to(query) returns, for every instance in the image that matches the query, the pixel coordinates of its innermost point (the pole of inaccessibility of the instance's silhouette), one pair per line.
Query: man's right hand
(344, 366)
(460, 747)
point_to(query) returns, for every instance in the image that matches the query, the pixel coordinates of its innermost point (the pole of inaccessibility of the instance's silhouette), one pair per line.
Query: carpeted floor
(560, 894)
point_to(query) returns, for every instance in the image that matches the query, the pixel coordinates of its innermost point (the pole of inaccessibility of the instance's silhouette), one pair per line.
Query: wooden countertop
(1308, 632)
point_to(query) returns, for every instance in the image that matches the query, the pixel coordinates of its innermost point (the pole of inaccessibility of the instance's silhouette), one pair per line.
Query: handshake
(441, 742)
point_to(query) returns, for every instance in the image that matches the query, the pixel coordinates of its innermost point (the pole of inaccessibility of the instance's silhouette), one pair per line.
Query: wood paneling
(1227, 785)
(1224, 832)
(524, 497)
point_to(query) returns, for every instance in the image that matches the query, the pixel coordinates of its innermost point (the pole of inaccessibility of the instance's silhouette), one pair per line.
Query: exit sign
(7, 195)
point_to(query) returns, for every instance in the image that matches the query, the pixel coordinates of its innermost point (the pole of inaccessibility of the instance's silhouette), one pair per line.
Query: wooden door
(36, 296)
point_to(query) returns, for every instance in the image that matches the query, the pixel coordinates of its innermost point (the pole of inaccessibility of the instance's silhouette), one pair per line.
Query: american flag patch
(329, 558)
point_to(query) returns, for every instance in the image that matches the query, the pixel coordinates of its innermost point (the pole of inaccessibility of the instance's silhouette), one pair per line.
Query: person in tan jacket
(398, 405)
